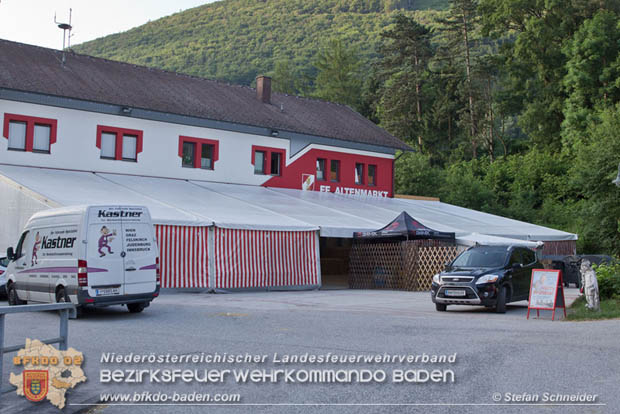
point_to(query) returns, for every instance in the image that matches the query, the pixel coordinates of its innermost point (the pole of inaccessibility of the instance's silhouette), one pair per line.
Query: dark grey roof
(39, 70)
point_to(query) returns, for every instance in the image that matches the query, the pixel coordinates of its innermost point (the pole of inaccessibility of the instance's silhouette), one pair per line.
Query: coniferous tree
(338, 78)
(460, 27)
(405, 69)
(593, 70)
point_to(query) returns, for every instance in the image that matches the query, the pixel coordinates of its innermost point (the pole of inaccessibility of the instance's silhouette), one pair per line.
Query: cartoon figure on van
(35, 249)
(106, 237)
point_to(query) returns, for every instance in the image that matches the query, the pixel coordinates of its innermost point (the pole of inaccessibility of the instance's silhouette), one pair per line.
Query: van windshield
(488, 256)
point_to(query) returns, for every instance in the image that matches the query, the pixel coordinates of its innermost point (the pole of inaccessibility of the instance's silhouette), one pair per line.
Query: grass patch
(610, 309)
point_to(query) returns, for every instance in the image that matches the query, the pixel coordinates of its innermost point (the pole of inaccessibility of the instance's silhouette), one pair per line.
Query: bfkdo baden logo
(35, 384)
(48, 372)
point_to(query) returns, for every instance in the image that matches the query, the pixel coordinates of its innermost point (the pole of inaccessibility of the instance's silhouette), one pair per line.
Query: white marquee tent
(253, 237)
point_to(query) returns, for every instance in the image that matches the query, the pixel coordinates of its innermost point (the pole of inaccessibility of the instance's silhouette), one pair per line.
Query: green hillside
(234, 40)
(513, 106)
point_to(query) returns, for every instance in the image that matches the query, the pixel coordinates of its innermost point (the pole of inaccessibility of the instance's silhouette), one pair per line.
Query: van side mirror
(9, 254)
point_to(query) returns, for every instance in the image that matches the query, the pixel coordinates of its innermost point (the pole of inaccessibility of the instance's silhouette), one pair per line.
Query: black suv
(490, 276)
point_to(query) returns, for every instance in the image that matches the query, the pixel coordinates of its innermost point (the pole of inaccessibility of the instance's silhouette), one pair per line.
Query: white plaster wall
(76, 149)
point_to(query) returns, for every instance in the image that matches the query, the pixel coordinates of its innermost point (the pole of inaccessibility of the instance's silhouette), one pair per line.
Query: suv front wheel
(441, 307)
(500, 306)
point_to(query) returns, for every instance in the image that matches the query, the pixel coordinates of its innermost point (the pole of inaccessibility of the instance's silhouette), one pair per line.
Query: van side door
(140, 253)
(60, 260)
(104, 257)
(36, 269)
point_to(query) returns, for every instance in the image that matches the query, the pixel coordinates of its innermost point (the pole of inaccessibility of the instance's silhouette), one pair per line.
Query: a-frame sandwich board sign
(546, 292)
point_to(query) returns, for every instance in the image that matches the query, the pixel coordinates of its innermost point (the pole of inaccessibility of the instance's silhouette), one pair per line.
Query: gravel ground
(494, 353)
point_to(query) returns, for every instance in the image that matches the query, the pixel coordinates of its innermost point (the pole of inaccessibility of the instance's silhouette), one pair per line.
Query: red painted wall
(293, 174)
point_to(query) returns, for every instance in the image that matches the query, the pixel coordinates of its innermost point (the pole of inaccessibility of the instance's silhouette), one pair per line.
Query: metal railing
(65, 310)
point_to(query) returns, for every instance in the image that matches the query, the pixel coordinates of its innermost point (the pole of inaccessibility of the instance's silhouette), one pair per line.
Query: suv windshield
(487, 256)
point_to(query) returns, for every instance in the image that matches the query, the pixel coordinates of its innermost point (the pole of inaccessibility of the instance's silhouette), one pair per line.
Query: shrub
(608, 277)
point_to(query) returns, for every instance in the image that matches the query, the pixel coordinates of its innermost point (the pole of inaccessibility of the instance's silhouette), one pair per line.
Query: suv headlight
(436, 279)
(487, 279)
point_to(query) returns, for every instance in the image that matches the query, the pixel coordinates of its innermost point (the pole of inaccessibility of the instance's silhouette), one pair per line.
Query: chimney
(263, 89)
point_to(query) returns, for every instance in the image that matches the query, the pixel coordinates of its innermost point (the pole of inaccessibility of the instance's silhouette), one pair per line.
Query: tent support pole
(318, 258)
(211, 258)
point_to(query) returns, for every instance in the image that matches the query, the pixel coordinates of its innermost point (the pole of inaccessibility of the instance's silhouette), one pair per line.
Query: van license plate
(107, 291)
(455, 293)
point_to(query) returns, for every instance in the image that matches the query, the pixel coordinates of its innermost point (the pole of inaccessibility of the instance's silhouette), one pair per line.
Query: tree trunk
(491, 121)
(502, 140)
(417, 94)
(450, 129)
(472, 119)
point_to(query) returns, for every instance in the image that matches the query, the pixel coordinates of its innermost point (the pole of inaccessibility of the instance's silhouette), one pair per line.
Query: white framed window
(130, 145)
(17, 135)
(187, 160)
(108, 145)
(259, 162)
(320, 169)
(359, 173)
(334, 173)
(41, 141)
(372, 175)
(206, 159)
(276, 163)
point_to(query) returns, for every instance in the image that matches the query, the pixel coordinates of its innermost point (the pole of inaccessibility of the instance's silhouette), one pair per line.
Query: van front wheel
(135, 307)
(12, 296)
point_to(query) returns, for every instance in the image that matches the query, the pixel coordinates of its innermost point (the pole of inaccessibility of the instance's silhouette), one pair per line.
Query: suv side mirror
(9, 254)
(447, 267)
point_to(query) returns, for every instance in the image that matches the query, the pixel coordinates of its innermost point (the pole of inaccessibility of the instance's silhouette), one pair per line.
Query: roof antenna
(65, 38)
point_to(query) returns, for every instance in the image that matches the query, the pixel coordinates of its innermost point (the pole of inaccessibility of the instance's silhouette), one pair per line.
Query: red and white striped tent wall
(183, 256)
(265, 259)
(230, 259)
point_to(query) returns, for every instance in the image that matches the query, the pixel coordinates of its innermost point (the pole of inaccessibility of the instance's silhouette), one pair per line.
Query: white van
(87, 255)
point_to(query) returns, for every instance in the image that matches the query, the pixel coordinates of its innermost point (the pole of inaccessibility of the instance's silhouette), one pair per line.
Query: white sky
(32, 21)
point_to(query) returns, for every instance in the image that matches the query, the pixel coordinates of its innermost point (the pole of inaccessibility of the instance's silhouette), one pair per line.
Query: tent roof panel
(297, 208)
(215, 207)
(475, 238)
(434, 214)
(69, 188)
(202, 203)
(472, 221)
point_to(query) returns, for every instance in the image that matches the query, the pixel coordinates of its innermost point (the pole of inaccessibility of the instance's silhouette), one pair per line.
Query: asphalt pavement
(498, 356)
